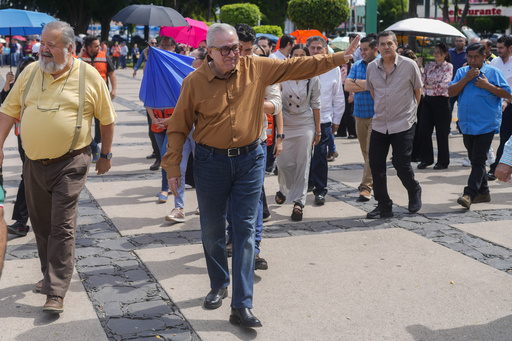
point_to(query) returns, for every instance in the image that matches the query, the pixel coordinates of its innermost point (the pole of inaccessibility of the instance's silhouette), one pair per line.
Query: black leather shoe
(423, 165)
(415, 201)
(214, 298)
(260, 263)
(155, 166)
(244, 318)
(319, 199)
(439, 166)
(380, 212)
(491, 176)
(151, 156)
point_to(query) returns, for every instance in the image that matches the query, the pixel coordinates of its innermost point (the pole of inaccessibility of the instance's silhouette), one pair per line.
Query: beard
(51, 66)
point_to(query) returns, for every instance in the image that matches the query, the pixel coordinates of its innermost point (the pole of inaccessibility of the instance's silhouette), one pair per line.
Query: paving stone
(112, 309)
(116, 244)
(446, 240)
(191, 235)
(93, 261)
(87, 251)
(302, 232)
(143, 239)
(89, 210)
(121, 294)
(473, 254)
(176, 335)
(128, 264)
(148, 309)
(98, 281)
(88, 220)
(174, 321)
(492, 250)
(276, 234)
(97, 270)
(501, 264)
(124, 326)
(117, 255)
(84, 242)
(98, 235)
(136, 275)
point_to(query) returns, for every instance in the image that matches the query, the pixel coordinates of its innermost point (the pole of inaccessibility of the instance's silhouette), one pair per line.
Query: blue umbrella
(22, 23)
(163, 76)
(268, 35)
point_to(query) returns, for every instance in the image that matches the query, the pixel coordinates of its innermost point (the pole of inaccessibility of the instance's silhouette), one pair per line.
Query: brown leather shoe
(465, 201)
(482, 198)
(39, 285)
(54, 304)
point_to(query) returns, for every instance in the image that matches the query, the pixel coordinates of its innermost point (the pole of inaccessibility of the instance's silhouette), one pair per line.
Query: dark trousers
(52, 193)
(436, 113)
(477, 147)
(319, 168)
(20, 210)
(505, 132)
(154, 144)
(402, 149)
(348, 123)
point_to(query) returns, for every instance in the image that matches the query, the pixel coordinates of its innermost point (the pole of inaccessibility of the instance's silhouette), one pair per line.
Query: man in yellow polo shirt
(3, 230)
(57, 150)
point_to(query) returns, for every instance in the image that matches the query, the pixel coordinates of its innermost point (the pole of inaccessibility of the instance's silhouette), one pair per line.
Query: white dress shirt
(505, 68)
(333, 99)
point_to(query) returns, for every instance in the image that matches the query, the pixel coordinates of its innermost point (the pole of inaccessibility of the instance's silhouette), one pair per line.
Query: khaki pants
(364, 131)
(52, 194)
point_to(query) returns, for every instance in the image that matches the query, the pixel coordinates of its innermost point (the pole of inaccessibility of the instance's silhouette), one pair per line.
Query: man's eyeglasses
(225, 50)
(152, 43)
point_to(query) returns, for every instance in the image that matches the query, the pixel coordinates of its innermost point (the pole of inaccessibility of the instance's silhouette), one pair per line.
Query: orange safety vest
(100, 63)
(160, 114)
(270, 130)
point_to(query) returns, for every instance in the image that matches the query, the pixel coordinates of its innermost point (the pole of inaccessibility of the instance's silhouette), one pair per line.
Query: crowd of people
(254, 106)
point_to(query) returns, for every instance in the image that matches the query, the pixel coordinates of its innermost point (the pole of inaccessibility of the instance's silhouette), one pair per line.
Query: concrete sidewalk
(442, 274)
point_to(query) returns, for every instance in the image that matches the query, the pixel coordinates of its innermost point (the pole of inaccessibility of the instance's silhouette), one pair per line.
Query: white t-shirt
(506, 68)
(35, 48)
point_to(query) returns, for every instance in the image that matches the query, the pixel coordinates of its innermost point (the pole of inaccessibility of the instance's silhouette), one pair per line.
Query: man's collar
(210, 74)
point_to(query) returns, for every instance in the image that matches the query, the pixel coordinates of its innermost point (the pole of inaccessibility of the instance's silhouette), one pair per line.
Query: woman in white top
(301, 126)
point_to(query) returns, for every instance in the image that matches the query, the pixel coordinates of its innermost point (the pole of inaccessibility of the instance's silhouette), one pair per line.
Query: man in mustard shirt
(228, 161)
(3, 230)
(63, 95)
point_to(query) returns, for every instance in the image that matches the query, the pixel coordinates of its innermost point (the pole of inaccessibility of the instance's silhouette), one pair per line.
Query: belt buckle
(233, 152)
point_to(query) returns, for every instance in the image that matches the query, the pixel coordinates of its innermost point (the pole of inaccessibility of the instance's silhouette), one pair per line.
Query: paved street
(442, 274)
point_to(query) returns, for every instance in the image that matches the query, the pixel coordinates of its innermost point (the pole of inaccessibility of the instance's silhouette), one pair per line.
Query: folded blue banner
(163, 76)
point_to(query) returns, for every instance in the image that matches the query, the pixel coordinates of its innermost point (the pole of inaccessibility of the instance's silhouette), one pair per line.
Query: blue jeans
(259, 221)
(161, 140)
(188, 147)
(331, 147)
(222, 180)
(318, 174)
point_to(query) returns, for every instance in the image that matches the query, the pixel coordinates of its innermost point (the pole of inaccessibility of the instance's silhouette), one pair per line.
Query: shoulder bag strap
(27, 89)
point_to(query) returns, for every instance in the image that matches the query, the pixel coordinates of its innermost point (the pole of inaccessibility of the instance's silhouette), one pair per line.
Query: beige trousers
(364, 131)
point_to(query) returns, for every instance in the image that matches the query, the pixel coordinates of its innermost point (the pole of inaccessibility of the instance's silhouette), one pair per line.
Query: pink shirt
(439, 76)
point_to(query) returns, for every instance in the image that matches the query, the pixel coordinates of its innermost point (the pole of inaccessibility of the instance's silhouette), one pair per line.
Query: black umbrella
(150, 15)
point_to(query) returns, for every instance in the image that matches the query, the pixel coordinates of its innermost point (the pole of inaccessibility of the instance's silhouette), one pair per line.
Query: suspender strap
(27, 89)
(81, 105)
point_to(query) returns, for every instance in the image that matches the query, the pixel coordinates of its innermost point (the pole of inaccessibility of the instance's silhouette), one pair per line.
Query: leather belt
(231, 152)
(67, 156)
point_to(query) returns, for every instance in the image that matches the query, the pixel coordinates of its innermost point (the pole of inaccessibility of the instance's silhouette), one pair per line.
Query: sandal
(297, 212)
(280, 198)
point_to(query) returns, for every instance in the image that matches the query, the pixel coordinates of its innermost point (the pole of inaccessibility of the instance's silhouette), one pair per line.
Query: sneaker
(39, 286)
(266, 218)
(177, 215)
(19, 228)
(482, 198)
(465, 201)
(332, 156)
(319, 199)
(490, 156)
(54, 304)
(364, 195)
(466, 163)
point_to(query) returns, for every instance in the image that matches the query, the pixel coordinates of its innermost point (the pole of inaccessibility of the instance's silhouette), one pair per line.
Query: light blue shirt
(479, 109)
(506, 158)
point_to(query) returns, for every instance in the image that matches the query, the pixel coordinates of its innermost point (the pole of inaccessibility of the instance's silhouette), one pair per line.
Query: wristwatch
(280, 136)
(107, 156)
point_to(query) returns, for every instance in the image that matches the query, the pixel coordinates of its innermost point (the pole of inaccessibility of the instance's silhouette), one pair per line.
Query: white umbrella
(425, 27)
(340, 43)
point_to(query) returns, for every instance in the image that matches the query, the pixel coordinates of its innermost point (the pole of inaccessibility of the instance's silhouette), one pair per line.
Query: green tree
(274, 11)
(324, 15)
(390, 11)
(240, 13)
(270, 29)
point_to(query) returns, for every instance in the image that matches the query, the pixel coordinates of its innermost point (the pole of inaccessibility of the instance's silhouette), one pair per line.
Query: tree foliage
(479, 24)
(324, 15)
(390, 11)
(274, 11)
(240, 13)
(270, 29)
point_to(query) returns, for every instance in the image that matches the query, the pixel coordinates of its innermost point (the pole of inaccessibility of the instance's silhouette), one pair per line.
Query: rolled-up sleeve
(273, 95)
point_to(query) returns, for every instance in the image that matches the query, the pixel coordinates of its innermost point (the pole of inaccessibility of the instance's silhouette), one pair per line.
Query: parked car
(494, 38)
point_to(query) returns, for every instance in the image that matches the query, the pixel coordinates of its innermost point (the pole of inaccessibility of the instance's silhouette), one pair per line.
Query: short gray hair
(316, 38)
(214, 29)
(68, 33)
